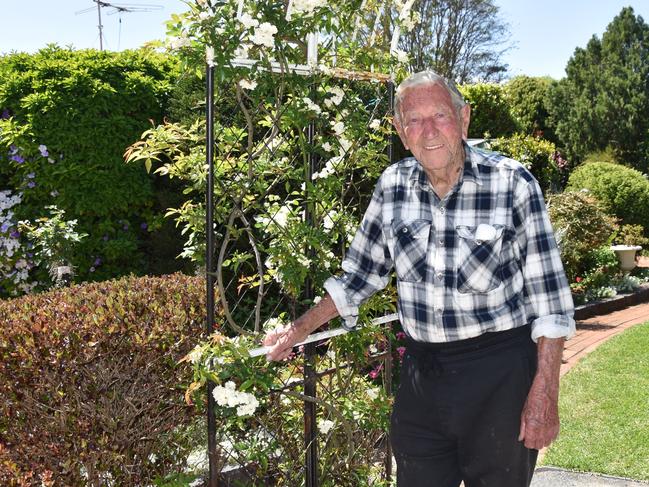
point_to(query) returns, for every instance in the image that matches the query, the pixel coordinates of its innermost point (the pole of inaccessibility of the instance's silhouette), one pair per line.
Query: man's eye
(440, 115)
(413, 121)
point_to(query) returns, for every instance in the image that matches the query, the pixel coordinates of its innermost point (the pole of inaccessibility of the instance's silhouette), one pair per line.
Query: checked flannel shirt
(481, 259)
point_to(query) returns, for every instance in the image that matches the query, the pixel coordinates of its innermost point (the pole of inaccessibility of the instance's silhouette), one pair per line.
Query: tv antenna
(117, 8)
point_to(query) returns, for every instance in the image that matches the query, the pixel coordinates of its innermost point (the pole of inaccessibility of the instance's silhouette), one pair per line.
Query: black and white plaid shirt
(483, 258)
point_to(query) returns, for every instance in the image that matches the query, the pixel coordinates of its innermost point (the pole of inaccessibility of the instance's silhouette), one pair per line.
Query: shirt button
(405, 230)
(438, 311)
(440, 242)
(440, 275)
(442, 210)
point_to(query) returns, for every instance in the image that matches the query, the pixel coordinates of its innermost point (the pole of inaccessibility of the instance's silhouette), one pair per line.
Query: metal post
(388, 360)
(101, 35)
(209, 268)
(310, 428)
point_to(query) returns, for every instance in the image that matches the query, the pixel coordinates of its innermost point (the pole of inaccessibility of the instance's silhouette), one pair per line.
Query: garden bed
(615, 303)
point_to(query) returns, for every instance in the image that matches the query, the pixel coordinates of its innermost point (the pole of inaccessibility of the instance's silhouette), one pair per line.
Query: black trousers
(457, 412)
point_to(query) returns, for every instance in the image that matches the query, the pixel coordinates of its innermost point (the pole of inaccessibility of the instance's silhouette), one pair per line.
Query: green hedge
(490, 113)
(86, 107)
(90, 382)
(622, 191)
(538, 155)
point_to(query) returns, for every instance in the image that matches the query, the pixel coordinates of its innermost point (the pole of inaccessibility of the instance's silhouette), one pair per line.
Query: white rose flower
(176, 43)
(327, 146)
(338, 128)
(324, 426)
(372, 393)
(264, 35)
(402, 56)
(375, 124)
(247, 84)
(311, 105)
(338, 95)
(248, 21)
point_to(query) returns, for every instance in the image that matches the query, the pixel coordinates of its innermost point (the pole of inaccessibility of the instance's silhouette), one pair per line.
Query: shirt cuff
(553, 326)
(348, 312)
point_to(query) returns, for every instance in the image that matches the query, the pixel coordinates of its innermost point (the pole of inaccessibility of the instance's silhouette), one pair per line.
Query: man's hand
(540, 416)
(282, 340)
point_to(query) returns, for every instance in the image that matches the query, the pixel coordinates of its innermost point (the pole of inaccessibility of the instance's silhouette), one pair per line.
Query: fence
(278, 215)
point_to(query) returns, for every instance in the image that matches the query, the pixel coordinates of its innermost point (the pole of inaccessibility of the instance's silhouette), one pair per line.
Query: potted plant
(629, 239)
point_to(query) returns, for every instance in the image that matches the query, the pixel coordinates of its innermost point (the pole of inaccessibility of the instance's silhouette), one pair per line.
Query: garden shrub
(526, 97)
(622, 191)
(581, 226)
(67, 117)
(490, 113)
(600, 270)
(538, 155)
(90, 381)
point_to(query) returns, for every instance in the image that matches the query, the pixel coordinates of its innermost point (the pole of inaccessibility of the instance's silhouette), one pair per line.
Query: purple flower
(144, 226)
(97, 262)
(18, 158)
(43, 150)
(125, 227)
(13, 149)
(31, 184)
(5, 114)
(31, 175)
(5, 226)
(105, 238)
(15, 234)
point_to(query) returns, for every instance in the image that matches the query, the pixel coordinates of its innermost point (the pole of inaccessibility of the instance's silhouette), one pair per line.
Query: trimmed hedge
(90, 381)
(491, 115)
(622, 191)
(86, 107)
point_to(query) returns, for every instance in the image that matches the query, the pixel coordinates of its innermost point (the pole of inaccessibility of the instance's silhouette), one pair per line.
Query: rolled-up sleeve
(367, 265)
(549, 300)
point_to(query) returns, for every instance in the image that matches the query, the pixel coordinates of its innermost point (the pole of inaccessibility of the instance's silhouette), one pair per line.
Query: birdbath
(626, 256)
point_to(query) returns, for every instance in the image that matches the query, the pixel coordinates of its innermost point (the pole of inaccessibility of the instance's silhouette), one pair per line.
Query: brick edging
(608, 306)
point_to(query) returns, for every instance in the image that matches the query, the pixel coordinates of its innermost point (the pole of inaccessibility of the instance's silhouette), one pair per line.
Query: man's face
(431, 127)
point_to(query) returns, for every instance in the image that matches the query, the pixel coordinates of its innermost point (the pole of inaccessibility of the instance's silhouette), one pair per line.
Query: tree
(603, 101)
(460, 39)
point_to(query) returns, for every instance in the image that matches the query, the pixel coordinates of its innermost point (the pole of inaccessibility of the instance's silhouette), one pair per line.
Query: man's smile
(433, 147)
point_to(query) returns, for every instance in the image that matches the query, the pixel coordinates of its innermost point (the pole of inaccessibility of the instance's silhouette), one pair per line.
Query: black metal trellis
(310, 374)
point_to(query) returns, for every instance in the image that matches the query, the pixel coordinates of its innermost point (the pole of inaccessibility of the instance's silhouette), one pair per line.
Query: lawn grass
(604, 407)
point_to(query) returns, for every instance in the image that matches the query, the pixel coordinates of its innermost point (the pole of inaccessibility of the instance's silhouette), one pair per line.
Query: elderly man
(483, 299)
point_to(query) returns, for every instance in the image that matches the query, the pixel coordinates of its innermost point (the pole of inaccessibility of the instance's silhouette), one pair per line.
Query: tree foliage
(460, 39)
(604, 99)
(527, 99)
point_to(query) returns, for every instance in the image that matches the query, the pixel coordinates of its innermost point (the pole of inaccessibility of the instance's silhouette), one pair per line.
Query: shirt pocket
(410, 249)
(478, 261)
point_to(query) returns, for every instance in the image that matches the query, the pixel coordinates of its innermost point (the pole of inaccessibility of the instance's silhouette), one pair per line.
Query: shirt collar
(470, 173)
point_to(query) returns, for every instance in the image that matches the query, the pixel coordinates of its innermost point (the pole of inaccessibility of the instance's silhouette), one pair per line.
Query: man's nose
(429, 128)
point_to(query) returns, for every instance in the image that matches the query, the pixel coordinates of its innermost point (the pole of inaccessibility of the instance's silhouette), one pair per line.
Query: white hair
(423, 78)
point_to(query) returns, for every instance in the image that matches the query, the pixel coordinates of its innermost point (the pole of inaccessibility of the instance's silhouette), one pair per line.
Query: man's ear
(465, 118)
(401, 131)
